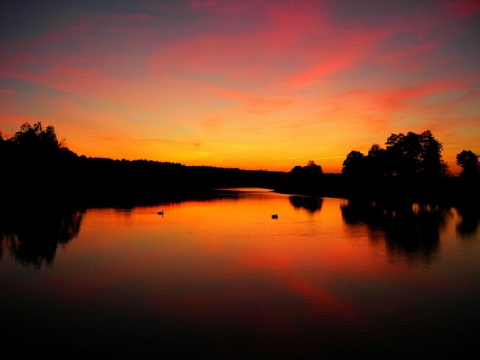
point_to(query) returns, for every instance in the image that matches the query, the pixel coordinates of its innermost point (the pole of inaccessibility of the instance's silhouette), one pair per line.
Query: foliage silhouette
(42, 171)
(468, 161)
(410, 155)
(354, 164)
(39, 169)
(305, 177)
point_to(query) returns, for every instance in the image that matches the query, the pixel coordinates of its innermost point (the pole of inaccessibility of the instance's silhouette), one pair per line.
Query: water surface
(220, 278)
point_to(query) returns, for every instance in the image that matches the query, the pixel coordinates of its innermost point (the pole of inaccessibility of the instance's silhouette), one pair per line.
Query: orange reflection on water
(226, 259)
(325, 272)
(291, 254)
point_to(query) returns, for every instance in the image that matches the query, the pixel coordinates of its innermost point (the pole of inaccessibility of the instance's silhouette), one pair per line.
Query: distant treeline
(36, 168)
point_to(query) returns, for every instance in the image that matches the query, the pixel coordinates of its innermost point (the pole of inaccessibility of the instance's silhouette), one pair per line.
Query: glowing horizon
(252, 85)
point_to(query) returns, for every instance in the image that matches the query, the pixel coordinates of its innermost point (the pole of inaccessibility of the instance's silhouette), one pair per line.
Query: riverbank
(447, 190)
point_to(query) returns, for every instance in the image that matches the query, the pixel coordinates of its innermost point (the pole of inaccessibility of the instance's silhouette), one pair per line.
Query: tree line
(36, 165)
(410, 155)
(409, 167)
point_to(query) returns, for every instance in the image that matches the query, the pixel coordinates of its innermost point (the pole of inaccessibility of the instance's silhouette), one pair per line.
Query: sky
(244, 84)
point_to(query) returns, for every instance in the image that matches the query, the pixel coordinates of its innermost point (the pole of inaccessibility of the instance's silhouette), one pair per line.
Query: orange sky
(248, 84)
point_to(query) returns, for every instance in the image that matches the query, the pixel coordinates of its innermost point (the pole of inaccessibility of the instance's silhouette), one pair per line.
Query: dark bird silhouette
(275, 216)
(160, 213)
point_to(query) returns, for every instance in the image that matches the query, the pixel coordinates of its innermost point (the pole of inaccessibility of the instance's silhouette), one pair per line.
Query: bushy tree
(313, 169)
(415, 154)
(468, 161)
(354, 164)
(306, 177)
(33, 155)
(308, 171)
(36, 137)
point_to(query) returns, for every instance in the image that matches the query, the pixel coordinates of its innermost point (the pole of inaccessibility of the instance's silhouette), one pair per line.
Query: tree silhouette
(41, 171)
(38, 168)
(36, 138)
(415, 154)
(376, 164)
(468, 161)
(311, 170)
(430, 157)
(404, 156)
(305, 178)
(354, 164)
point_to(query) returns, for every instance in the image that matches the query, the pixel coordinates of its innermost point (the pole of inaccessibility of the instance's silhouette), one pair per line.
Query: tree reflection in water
(309, 203)
(32, 236)
(469, 218)
(411, 231)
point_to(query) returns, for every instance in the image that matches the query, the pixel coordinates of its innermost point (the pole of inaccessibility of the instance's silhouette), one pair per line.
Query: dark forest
(38, 170)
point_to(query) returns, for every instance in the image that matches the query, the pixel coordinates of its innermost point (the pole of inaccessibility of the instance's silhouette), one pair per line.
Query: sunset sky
(247, 84)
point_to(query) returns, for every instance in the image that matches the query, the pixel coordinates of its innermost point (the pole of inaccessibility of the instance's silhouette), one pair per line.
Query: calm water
(221, 279)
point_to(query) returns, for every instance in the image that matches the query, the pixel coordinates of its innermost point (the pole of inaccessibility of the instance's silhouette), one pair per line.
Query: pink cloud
(345, 51)
(244, 53)
(403, 97)
(251, 68)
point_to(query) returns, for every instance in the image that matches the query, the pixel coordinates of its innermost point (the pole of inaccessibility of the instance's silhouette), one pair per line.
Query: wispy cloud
(286, 80)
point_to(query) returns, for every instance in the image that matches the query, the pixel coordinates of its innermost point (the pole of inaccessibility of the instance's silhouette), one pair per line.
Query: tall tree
(430, 156)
